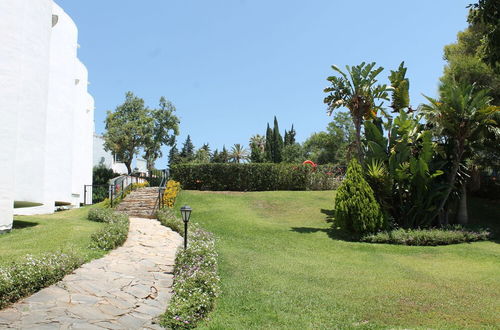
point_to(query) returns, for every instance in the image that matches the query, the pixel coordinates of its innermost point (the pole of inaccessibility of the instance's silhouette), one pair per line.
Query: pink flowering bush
(196, 284)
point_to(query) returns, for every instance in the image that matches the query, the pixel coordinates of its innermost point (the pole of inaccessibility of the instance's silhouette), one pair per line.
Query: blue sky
(230, 66)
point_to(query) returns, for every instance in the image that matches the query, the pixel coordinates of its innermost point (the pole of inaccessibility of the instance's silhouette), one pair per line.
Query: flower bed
(196, 284)
(26, 277)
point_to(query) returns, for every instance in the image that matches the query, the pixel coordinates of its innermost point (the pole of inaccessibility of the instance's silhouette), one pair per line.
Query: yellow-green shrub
(171, 191)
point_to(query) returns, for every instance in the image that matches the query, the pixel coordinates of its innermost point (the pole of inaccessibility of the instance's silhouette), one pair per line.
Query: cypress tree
(277, 143)
(269, 144)
(356, 209)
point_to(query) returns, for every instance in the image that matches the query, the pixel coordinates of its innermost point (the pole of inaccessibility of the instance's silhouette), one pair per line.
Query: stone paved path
(126, 289)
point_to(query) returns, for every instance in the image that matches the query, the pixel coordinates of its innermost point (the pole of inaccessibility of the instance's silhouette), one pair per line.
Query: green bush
(433, 237)
(252, 177)
(356, 209)
(115, 232)
(196, 284)
(26, 277)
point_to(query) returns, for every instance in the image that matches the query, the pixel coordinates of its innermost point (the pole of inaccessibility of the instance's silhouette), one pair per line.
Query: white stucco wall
(25, 27)
(61, 108)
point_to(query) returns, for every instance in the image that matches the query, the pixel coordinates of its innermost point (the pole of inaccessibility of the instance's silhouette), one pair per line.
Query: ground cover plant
(282, 267)
(196, 283)
(114, 233)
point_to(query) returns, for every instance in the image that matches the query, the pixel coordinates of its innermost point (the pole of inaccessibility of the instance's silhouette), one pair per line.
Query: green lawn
(49, 233)
(281, 268)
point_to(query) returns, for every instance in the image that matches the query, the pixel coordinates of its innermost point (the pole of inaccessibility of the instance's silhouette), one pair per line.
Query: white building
(46, 111)
(106, 158)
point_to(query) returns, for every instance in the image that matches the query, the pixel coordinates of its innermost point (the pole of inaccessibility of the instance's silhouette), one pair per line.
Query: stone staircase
(141, 203)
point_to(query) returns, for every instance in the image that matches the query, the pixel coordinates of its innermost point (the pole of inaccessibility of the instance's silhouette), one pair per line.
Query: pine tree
(356, 209)
(269, 144)
(187, 152)
(224, 155)
(277, 143)
(173, 156)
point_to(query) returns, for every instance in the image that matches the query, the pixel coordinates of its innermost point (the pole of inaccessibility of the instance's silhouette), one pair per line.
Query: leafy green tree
(293, 153)
(277, 143)
(203, 154)
(187, 151)
(461, 116)
(126, 128)
(486, 13)
(358, 91)
(174, 156)
(238, 153)
(257, 149)
(356, 209)
(161, 130)
(334, 145)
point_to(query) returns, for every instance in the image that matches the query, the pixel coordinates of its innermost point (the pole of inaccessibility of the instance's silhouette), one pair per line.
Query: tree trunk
(129, 166)
(357, 124)
(462, 215)
(475, 179)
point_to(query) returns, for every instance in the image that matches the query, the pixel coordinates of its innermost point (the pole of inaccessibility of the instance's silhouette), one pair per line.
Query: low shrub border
(196, 283)
(26, 277)
(112, 235)
(427, 237)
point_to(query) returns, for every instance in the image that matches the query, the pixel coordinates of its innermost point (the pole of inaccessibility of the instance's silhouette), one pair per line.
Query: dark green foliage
(290, 137)
(26, 277)
(486, 13)
(101, 176)
(433, 237)
(402, 170)
(220, 157)
(400, 89)
(277, 143)
(173, 156)
(269, 144)
(187, 151)
(356, 209)
(241, 177)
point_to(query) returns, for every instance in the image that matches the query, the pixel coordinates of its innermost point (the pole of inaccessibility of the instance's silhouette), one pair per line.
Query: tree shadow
(334, 232)
(20, 224)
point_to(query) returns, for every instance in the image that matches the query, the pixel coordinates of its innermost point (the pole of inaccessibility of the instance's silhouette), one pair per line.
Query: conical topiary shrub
(356, 209)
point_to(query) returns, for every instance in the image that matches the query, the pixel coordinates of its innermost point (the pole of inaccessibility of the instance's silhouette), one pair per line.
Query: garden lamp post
(186, 214)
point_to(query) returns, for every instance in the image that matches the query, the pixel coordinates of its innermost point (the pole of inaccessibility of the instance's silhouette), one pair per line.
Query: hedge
(428, 237)
(254, 177)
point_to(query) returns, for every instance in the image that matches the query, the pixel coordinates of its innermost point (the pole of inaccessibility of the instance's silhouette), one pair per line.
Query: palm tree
(462, 115)
(238, 153)
(358, 91)
(257, 147)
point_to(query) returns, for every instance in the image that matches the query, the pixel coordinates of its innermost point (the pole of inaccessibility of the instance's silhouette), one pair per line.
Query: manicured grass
(49, 233)
(281, 267)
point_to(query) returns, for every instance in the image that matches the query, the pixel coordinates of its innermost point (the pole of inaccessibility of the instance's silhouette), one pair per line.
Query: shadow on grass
(20, 224)
(333, 232)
